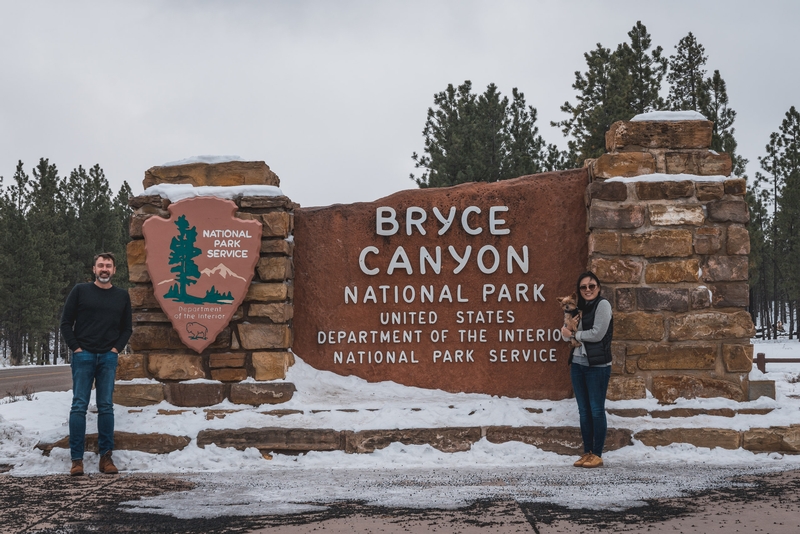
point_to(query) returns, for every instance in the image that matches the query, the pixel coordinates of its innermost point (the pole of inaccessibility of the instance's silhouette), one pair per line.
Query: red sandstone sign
(201, 261)
(451, 288)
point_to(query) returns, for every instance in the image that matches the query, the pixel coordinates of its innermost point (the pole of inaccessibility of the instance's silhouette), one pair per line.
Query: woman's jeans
(590, 385)
(100, 369)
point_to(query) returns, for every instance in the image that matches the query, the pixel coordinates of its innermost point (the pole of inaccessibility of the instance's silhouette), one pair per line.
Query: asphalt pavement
(737, 500)
(21, 380)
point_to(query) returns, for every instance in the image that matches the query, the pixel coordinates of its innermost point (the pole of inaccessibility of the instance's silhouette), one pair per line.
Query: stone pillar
(672, 255)
(254, 345)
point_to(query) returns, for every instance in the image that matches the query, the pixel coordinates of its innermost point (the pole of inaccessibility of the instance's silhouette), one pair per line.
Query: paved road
(14, 380)
(228, 503)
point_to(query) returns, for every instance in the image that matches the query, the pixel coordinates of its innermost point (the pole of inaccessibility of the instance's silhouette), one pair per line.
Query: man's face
(104, 269)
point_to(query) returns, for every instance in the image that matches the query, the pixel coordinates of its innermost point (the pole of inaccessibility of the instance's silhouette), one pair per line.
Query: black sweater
(97, 319)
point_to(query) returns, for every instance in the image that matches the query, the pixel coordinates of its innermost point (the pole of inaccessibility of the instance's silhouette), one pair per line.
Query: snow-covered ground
(321, 395)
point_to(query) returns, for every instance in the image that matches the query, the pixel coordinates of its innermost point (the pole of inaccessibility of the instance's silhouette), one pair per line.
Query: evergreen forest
(51, 226)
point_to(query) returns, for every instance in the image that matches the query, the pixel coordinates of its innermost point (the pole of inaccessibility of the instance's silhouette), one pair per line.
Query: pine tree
(616, 86)
(687, 76)
(718, 112)
(481, 138)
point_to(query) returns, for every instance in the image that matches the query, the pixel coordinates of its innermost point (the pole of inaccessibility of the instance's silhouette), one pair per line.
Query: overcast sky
(333, 94)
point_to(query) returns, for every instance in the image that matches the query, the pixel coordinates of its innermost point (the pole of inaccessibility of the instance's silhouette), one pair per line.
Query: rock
(658, 299)
(126, 441)
(443, 439)
(282, 413)
(701, 298)
(275, 268)
(774, 439)
(672, 272)
(617, 270)
(699, 437)
(149, 317)
(668, 215)
(626, 387)
(725, 268)
(175, 366)
(659, 134)
(272, 439)
(707, 240)
(267, 202)
(277, 224)
(194, 395)
(711, 325)
(657, 244)
(135, 226)
(625, 164)
(627, 412)
(738, 240)
(226, 359)
(625, 298)
(664, 190)
(277, 312)
(639, 326)
(264, 336)
(679, 357)
(561, 440)
(604, 242)
(229, 374)
(277, 246)
(728, 211)
(737, 358)
(155, 337)
(137, 269)
(668, 388)
(272, 365)
(143, 297)
(130, 366)
(613, 191)
(267, 292)
(630, 216)
(706, 191)
(146, 201)
(138, 394)
(761, 388)
(730, 295)
(699, 163)
(691, 412)
(216, 174)
(736, 187)
(258, 393)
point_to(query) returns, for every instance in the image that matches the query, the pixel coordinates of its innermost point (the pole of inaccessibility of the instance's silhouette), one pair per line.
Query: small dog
(571, 315)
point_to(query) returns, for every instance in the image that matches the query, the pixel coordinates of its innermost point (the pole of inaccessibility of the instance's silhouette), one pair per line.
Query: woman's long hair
(581, 300)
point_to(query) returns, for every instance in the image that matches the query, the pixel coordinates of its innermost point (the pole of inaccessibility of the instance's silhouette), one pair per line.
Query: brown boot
(107, 464)
(77, 468)
(582, 459)
(593, 461)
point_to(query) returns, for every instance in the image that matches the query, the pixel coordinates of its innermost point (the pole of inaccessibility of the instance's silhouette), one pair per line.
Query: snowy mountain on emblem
(223, 271)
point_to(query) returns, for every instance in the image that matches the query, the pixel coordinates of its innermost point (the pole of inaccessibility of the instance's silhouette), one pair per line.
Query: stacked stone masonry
(256, 344)
(673, 259)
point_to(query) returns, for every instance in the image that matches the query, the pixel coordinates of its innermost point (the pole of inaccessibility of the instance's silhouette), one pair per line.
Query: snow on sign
(201, 261)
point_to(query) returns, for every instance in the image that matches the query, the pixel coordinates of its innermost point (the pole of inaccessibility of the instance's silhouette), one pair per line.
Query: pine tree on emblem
(182, 257)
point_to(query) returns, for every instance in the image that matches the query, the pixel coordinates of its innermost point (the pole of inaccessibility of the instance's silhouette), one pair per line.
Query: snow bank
(661, 177)
(176, 192)
(202, 159)
(667, 116)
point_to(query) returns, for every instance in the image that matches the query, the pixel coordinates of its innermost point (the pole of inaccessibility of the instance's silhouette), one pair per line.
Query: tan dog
(571, 315)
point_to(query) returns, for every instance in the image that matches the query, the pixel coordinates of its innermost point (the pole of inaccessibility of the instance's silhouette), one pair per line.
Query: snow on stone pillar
(668, 237)
(248, 361)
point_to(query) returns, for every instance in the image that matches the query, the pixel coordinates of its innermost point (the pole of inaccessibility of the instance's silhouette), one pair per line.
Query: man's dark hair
(106, 256)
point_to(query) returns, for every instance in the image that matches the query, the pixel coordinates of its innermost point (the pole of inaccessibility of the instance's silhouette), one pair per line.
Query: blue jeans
(99, 369)
(590, 385)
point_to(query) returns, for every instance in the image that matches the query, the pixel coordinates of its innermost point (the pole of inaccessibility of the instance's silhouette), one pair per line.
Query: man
(96, 325)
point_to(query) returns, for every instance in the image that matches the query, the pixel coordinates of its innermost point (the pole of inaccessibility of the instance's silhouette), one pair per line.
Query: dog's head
(568, 304)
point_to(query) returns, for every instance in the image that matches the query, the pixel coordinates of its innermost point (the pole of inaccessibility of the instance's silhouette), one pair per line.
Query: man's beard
(104, 278)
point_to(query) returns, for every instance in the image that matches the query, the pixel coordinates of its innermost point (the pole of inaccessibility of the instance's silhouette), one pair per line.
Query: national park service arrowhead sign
(201, 261)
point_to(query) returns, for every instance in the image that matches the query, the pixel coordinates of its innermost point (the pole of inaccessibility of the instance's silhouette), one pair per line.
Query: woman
(590, 367)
